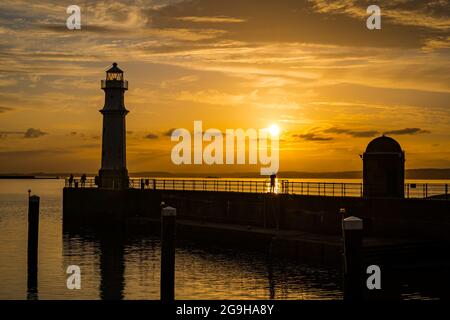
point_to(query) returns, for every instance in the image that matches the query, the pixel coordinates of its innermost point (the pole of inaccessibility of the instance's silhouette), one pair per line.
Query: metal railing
(282, 186)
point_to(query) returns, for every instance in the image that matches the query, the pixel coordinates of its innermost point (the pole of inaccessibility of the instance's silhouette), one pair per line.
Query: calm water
(130, 268)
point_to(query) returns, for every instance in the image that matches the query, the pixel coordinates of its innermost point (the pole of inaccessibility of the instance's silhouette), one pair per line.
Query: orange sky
(312, 67)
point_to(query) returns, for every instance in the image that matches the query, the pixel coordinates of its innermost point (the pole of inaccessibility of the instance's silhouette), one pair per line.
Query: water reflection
(32, 285)
(112, 266)
(118, 266)
(129, 268)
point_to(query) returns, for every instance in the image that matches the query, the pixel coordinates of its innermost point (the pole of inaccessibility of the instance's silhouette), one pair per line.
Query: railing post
(33, 245)
(168, 224)
(352, 228)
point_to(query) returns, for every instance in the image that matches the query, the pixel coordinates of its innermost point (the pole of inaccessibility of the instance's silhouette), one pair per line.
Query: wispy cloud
(151, 136)
(353, 133)
(4, 109)
(34, 133)
(168, 133)
(407, 131)
(312, 137)
(211, 19)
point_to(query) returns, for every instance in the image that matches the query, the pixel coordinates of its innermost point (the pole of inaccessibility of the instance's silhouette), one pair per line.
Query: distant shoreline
(16, 177)
(410, 174)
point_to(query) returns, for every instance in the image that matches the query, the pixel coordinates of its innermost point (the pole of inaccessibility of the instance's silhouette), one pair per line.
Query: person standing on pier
(70, 180)
(83, 180)
(273, 178)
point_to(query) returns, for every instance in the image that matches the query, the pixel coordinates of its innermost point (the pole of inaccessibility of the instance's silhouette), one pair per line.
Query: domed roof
(114, 69)
(384, 144)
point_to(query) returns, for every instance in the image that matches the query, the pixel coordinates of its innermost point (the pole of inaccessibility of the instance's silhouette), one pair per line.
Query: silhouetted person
(83, 180)
(273, 177)
(147, 183)
(70, 180)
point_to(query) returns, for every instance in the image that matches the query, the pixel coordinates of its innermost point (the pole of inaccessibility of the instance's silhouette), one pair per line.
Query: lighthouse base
(113, 179)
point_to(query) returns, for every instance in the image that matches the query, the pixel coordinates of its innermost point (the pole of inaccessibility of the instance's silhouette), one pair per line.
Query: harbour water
(131, 271)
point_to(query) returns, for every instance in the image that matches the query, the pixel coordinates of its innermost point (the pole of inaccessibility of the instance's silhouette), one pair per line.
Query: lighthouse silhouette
(113, 173)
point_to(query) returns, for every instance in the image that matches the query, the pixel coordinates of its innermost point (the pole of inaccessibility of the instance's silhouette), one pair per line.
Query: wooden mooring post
(168, 225)
(352, 228)
(33, 245)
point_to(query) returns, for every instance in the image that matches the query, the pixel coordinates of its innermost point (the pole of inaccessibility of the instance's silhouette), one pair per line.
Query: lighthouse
(113, 173)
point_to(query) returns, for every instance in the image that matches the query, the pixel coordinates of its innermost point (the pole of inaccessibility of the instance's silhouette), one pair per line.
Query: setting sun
(274, 130)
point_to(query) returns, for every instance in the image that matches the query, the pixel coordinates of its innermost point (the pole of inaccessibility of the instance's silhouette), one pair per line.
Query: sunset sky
(310, 66)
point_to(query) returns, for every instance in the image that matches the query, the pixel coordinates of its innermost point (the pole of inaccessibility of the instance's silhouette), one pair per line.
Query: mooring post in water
(33, 239)
(168, 224)
(352, 228)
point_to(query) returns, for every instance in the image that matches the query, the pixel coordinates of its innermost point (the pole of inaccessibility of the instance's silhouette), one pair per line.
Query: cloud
(211, 19)
(151, 136)
(4, 109)
(85, 28)
(4, 134)
(312, 137)
(407, 131)
(34, 133)
(309, 21)
(426, 14)
(168, 133)
(353, 133)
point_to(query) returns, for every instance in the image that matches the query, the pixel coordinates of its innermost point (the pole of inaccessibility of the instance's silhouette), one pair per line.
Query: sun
(274, 130)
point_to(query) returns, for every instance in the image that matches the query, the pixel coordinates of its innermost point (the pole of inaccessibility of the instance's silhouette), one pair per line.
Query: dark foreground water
(130, 268)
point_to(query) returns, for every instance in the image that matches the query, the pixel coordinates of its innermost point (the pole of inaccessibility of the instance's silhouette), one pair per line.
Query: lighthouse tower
(113, 172)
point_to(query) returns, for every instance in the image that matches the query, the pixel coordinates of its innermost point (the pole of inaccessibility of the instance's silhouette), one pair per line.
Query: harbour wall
(383, 217)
